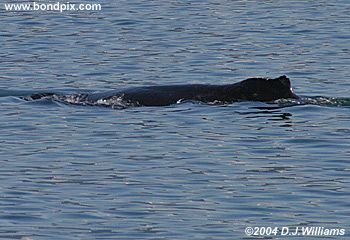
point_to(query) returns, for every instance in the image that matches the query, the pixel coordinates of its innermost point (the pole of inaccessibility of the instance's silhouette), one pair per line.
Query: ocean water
(186, 171)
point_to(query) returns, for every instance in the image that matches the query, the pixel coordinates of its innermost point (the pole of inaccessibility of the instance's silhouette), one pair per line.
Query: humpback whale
(251, 89)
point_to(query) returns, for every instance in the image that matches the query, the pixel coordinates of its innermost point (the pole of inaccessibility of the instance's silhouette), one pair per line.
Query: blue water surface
(186, 171)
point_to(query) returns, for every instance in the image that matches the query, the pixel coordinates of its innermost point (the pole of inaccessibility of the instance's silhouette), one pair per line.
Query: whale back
(251, 89)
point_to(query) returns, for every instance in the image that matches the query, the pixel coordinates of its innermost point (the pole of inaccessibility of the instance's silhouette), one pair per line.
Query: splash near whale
(251, 89)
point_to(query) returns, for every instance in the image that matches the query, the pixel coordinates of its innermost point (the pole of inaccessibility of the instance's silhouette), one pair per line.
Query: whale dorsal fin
(284, 80)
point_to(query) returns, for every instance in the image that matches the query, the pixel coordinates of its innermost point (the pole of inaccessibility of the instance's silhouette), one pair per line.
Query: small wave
(319, 100)
(79, 98)
(116, 102)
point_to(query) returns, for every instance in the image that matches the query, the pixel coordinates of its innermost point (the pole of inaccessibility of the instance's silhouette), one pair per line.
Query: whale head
(263, 89)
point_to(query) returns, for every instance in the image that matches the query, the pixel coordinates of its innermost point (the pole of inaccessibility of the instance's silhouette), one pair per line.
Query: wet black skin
(251, 89)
